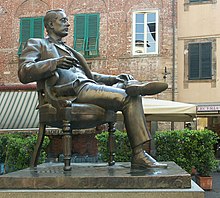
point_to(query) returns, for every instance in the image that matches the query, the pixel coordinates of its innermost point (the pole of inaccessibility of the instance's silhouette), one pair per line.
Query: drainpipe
(174, 54)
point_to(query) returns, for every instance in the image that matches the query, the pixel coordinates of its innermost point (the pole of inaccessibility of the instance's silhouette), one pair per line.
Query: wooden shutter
(86, 34)
(38, 28)
(92, 34)
(206, 60)
(200, 61)
(25, 32)
(79, 33)
(30, 28)
(193, 61)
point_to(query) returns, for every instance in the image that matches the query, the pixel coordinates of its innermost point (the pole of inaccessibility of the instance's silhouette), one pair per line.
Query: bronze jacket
(38, 62)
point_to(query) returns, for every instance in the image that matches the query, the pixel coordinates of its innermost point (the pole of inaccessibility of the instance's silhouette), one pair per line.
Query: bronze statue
(50, 58)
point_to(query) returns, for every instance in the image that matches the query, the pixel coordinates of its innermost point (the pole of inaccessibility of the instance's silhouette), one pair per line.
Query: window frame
(85, 49)
(188, 3)
(145, 12)
(32, 30)
(186, 81)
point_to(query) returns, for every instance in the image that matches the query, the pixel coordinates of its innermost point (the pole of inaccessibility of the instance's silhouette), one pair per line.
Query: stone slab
(194, 192)
(96, 176)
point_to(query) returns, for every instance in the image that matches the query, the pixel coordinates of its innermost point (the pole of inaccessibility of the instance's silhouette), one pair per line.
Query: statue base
(194, 192)
(96, 176)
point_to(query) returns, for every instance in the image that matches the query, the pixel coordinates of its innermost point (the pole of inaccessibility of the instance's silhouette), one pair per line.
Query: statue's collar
(60, 44)
(52, 40)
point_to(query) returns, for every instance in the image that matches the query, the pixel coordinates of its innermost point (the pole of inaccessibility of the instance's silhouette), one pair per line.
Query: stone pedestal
(193, 192)
(96, 176)
(99, 181)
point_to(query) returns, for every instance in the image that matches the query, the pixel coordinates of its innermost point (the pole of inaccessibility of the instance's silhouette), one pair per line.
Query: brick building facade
(116, 38)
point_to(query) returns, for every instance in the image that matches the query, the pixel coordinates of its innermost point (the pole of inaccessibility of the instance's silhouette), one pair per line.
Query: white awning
(164, 110)
(18, 110)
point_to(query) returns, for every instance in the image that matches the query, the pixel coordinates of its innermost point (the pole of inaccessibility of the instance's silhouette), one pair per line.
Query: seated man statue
(49, 57)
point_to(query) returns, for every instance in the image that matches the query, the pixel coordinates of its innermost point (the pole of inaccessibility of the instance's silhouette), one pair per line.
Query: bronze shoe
(143, 160)
(143, 89)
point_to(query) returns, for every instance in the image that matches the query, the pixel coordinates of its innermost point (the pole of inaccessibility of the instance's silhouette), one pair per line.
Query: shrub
(123, 150)
(188, 148)
(16, 151)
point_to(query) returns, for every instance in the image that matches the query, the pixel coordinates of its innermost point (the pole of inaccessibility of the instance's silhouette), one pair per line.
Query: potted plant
(207, 162)
(190, 149)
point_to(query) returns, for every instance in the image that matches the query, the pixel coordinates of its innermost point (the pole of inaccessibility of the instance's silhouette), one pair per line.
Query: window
(86, 34)
(197, 0)
(30, 28)
(188, 3)
(200, 61)
(145, 32)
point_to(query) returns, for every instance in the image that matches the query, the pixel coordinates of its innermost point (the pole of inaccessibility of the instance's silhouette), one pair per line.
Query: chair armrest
(57, 102)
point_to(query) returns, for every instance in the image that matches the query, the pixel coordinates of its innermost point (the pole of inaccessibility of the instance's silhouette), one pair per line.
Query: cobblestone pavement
(215, 193)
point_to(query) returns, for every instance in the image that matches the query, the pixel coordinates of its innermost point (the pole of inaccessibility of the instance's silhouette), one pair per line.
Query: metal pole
(174, 54)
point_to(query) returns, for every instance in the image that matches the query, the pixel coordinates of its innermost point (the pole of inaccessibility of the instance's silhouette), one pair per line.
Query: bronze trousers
(116, 99)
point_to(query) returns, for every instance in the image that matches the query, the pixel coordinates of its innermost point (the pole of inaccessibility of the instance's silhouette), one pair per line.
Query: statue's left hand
(125, 77)
(122, 78)
(113, 80)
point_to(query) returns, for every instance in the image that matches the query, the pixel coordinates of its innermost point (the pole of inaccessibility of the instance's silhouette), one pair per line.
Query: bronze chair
(67, 115)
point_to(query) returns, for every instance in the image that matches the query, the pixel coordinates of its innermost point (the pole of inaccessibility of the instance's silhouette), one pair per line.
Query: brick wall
(80, 145)
(115, 36)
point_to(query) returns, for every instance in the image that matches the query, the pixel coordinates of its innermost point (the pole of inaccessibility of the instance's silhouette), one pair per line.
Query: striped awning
(18, 109)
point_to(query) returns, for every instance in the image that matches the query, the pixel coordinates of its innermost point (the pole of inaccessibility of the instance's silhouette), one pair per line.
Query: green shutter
(86, 34)
(79, 33)
(92, 34)
(193, 61)
(38, 28)
(30, 28)
(25, 32)
(206, 60)
(200, 61)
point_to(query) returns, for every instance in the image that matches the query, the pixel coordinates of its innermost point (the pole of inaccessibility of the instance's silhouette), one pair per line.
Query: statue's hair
(51, 15)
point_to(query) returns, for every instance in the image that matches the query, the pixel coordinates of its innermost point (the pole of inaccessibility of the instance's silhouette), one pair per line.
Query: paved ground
(215, 193)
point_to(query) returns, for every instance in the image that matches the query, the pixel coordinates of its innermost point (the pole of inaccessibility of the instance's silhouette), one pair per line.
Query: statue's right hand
(66, 62)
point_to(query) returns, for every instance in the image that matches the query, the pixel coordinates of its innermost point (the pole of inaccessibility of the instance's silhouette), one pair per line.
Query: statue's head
(56, 22)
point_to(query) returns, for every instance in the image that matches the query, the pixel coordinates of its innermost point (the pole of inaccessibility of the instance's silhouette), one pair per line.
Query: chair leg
(38, 145)
(111, 143)
(67, 145)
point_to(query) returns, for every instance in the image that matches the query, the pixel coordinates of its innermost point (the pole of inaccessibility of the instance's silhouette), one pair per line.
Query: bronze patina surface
(97, 176)
(64, 79)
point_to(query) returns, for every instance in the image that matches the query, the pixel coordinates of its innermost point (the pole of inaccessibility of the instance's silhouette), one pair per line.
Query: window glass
(145, 33)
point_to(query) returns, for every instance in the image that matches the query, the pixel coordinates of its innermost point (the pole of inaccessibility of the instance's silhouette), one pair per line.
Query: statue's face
(61, 25)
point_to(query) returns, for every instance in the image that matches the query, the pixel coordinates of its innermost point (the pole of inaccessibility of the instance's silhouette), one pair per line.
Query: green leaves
(16, 150)
(122, 150)
(188, 148)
